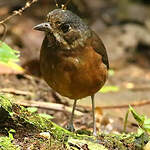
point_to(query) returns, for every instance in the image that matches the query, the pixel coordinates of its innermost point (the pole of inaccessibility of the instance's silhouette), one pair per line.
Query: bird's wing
(100, 48)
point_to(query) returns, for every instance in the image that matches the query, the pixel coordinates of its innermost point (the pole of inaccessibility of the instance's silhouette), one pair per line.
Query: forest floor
(125, 32)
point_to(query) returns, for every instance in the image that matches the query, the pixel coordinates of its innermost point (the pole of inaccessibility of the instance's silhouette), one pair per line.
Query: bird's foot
(94, 133)
(70, 127)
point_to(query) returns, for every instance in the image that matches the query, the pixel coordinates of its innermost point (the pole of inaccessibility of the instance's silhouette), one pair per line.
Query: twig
(14, 91)
(47, 105)
(4, 32)
(137, 104)
(61, 107)
(18, 12)
(15, 13)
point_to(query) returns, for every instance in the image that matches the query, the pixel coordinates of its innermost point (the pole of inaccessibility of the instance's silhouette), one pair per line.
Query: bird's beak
(43, 27)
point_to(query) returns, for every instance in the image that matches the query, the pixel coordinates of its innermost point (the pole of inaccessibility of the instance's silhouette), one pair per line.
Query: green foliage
(32, 109)
(46, 116)
(75, 144)
(8, 54)
(36, 123)
(139, 118)
(6, 144)
(9, 57)
(142, 136)
(111, 88)
(142, 120)
(6, 104)
(10, 133)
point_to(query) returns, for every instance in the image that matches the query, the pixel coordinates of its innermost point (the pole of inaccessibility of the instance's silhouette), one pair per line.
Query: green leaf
(9, 57)
(46, 116)
(139, 118)
(147, 121)
(146, 127)
(8, 54)
(6, 144)
(142, 120)
(140, 132)
(32, 109)
(11, 132)
(107, 89)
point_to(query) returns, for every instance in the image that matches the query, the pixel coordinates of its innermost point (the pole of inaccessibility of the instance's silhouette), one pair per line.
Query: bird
(73, 59)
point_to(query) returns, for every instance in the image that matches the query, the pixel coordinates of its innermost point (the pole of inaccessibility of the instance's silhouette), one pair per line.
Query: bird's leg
(93, 114)
(70, 126)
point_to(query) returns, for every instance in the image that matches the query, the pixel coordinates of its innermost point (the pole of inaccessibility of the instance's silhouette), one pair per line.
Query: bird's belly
(75, 77)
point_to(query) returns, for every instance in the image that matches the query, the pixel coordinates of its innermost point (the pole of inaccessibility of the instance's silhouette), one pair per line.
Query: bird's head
(67, 28)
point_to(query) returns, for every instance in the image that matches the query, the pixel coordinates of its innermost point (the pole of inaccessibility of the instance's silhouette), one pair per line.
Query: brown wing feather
(100, 48)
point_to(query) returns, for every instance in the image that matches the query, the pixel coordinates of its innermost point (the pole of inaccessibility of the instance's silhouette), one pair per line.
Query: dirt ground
(124, 27)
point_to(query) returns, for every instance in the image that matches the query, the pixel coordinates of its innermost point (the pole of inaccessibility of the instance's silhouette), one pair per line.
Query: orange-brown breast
(75, 74)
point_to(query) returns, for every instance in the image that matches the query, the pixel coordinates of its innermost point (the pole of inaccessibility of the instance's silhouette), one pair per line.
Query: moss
(5, 103)
(5, 108)
(122, 141)
(39, 122)
(84, 144)
(26, 122)
(6, 144)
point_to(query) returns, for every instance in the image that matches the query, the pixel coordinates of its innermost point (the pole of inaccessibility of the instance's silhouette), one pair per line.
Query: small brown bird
(73, 59)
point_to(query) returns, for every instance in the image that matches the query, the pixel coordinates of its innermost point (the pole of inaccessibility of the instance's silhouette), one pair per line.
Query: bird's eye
(58, 22)
(65, 27)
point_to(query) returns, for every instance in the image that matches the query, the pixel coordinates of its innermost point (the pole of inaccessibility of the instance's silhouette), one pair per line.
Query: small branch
(61, 107)
(47, 105)
(15, 13)
(4, 32)
(136, 104)
(18, 12)
(16, 92)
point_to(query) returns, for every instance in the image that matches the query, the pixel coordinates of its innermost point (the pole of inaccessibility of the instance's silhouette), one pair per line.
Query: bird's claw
(70, 127)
